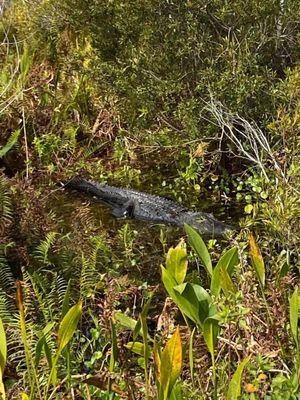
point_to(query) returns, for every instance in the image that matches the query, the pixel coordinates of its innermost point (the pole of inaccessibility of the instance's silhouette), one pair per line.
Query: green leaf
(171, 364)
(137, 348)
(187, 301)
(12, 140)
(257, 260)
(68, 326)
(199, 246)
(230, 259)
(294, 314)
(176, 263)
(3, 347)
(210, 331)
(125, 321)
(234, 389)
(221, 273)
(248, 208)
(191, 354)
(25, 62)
(138, 330)
(221, 279)
(42, 342)
(176, 393)
(66, 330)
(3, 352)
(169, 282)
(193, 301)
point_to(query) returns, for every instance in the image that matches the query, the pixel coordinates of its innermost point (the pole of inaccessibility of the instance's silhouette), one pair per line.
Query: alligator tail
(84, 186)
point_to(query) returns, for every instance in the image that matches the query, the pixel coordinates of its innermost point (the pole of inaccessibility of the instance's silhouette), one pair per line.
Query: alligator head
(207, 224)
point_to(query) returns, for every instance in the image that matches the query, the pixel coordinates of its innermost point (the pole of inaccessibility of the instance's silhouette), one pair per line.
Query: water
(137, 247)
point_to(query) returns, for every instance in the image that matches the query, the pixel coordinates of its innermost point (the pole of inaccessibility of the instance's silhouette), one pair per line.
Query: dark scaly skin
(147, 207)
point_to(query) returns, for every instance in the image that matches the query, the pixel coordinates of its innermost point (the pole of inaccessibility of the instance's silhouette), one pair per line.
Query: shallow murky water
(139, 254)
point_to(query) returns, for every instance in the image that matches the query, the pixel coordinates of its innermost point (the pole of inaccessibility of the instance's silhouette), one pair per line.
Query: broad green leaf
(187, 301)
(222, 271)
(169, 282)
(234, 389)
(193, 301)
(125, 321)
(3, 347)
(137, 348)
(66, 330)
(210, 331)
(199, 246)
(176, 263)
(171, 364)
(257, 260)
(230, 259)
(294, 314)
(68, 326)
(12, 140)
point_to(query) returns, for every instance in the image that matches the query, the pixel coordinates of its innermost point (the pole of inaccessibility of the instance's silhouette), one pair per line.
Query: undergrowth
(194, 101)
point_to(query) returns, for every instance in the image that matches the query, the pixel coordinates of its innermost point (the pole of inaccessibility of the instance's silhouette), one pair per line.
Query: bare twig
(249, 140)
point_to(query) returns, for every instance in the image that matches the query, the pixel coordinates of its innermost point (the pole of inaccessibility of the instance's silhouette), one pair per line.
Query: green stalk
(214, 373)
(33, 380)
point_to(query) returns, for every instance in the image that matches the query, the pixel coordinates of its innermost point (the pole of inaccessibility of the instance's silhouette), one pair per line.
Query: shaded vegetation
(198, 101)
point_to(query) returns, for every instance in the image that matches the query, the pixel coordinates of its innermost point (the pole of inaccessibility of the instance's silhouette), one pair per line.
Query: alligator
(143, 206)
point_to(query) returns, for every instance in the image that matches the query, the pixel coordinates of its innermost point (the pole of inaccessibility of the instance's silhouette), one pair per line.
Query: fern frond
(42, 251)
(91, 276)
(7, 281)
(12, 140)
(5, 202)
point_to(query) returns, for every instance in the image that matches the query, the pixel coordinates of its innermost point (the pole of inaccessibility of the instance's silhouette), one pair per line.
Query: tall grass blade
(114, 347)
(68, 326)
(145, 334)
(66, 331)
(191, 354)
(25, 63)
(3, 351)
(294, 314)
(32, 375)
(234, 389)
(199, 246)
(257, 260)
(42, 343)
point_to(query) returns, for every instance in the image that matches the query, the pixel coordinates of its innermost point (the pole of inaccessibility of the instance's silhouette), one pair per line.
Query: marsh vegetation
(193, 100)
